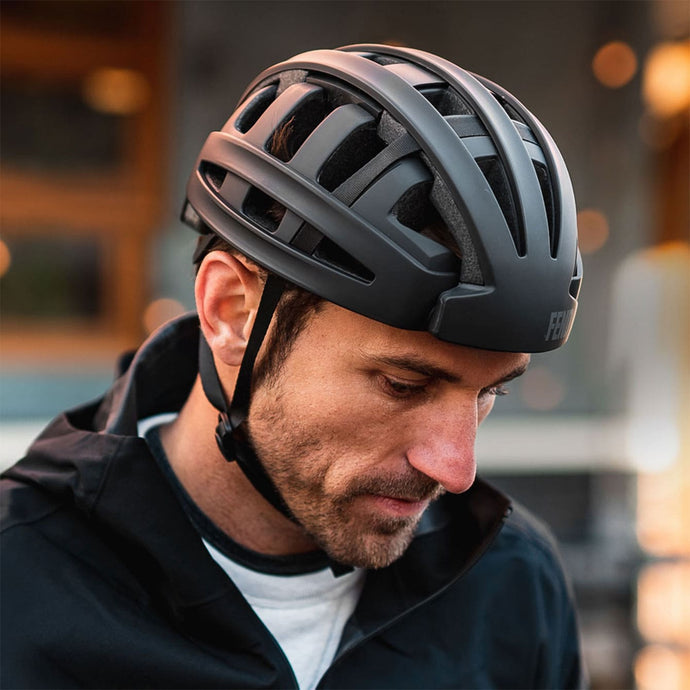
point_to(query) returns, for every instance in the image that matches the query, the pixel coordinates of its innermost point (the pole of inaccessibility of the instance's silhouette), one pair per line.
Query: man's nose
(443, 447)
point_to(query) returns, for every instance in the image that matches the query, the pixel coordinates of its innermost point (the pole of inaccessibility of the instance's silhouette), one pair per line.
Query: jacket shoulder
(23, 504)
(42, 535)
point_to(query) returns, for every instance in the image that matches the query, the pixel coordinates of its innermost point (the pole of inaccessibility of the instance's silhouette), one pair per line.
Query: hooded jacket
(106, 582)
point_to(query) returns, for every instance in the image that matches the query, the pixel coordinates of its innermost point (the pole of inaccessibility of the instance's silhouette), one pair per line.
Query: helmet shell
(386, 141)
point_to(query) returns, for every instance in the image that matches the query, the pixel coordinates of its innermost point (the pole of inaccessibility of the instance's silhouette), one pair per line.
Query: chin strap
(231, 435)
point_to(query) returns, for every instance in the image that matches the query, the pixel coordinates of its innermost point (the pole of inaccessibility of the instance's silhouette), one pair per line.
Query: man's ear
(227, 292)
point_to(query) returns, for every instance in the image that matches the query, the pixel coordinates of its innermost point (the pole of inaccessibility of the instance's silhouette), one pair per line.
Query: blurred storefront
(104, 107)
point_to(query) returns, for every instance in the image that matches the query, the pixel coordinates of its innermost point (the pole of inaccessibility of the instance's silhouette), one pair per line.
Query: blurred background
(104, 108)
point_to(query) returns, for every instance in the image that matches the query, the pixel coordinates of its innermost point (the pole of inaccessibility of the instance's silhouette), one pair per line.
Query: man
(383, 240)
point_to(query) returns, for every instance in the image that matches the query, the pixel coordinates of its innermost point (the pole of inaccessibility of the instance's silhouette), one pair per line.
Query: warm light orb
(592, 230)
(666, 80)
(614, 64)
(116, 91)
(661, 506)
(160, 311)
(5, 258)
(541, 389)
(663, 603)
(660, 667)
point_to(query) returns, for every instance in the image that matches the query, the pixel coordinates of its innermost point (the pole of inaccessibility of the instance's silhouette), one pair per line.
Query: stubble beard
(373, 541)
(297, 461)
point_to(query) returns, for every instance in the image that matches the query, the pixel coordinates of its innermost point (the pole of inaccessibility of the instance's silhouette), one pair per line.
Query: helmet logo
(559, 324)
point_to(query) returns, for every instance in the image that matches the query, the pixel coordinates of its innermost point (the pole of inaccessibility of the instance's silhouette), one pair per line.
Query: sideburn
(292, 314)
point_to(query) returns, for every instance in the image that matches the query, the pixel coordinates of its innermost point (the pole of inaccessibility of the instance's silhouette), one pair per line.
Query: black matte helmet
(386, 146)
(389, 137)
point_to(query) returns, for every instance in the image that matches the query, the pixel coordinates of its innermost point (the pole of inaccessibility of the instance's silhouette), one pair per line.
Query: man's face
(364, 425)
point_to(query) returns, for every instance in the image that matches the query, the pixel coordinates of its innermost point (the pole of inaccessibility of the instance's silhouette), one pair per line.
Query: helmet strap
(231, 435)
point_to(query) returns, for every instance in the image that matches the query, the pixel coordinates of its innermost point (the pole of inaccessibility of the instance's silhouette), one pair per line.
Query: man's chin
(371, 550)
(362, 533)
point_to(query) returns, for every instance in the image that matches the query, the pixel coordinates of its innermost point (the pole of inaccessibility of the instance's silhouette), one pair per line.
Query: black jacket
(106, 583)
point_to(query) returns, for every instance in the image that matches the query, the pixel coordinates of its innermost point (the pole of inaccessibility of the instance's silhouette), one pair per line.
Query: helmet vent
(513, 114)
(357, 150)
(415, 210)
(495, 175)
(574, 288)
(263, 209)
(341, 93)
(213, 174)
(447, 101)
(288, 137)
(255, 108)
(382, 59)
(328, 252)
(547, 194)
(313, 242)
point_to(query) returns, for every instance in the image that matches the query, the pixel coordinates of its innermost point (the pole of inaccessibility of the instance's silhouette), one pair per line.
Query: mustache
(413, 486)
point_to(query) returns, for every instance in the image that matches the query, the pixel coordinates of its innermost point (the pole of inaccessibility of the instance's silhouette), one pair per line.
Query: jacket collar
(158, 377)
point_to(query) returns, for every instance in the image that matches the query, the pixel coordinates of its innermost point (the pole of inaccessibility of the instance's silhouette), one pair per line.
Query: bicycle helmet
(386, 141)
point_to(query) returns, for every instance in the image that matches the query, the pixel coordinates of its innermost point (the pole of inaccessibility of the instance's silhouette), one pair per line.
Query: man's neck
(220, 488)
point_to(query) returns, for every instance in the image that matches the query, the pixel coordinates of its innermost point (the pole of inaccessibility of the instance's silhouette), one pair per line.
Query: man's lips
(400, 507)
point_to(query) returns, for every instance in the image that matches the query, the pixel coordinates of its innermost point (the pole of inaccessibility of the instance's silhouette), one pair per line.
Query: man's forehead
(379, 342)
(443, 367)
(506, 365)
(426, 355)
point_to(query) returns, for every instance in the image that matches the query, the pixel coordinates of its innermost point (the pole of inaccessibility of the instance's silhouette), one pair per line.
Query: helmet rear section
(395, 184)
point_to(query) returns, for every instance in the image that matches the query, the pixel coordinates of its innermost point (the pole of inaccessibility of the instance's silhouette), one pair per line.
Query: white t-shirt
(305, 613)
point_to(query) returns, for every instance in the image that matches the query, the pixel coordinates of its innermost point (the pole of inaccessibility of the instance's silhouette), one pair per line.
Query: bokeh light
(614, 64)
(659, 667)
(661, 509)
(116, 91)
(541, 389)
(5, 258)
(666, 80)
(592, 229)
(160, 311)
(663, 603)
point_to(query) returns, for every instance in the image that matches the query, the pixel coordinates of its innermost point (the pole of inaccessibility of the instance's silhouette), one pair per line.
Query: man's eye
(400, 389)
(495, 391)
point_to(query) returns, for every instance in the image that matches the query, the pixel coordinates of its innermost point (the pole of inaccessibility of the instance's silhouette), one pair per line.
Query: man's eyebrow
(518, 371)
(420, 366)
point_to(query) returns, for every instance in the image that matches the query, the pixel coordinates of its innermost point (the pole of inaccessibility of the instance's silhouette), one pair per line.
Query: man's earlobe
(227, 294)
